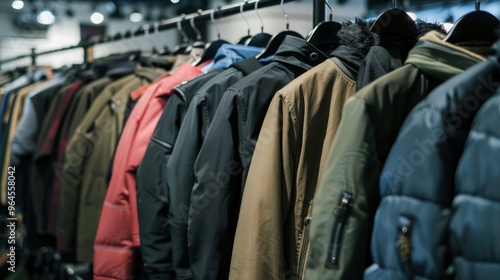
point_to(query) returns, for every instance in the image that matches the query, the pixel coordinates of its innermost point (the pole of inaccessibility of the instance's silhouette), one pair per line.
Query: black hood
(355, 42)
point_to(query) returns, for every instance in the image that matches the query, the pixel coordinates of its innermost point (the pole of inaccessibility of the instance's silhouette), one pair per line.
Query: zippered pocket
(304, 246)
(161, 143)
(403, 245)
(340, 218)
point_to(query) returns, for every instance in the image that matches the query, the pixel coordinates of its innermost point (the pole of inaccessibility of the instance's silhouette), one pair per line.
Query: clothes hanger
(394, 21)
(278, 39)
(149, 38)
(199, 42)
(181, 48)
(261, 39)
(165, 50)
(474, 26)
(247, 37)
(212, 47)
(325, 33)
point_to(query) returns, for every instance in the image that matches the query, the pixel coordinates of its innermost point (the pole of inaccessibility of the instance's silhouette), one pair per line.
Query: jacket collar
(299, 53)
(443, 60)
(148, 73)
(229, 54)
(349, 59)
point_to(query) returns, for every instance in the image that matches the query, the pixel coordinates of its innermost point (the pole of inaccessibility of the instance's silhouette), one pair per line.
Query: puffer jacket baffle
(417, 183)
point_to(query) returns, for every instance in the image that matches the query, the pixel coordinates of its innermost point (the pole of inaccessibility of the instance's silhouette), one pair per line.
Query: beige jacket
(272, 234)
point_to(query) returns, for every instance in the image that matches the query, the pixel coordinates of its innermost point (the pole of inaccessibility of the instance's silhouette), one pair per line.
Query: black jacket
(152, 198)
(474, 227)
(179, 171)
(222, 164)
(417, 182)
(389, 53)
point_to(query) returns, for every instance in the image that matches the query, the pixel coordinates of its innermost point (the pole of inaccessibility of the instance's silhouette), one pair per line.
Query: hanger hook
(330, 17)
(212, 18)
(478, 5)
(147, 35)
(394, 4)
(198, 33)
(260, 18)
(157, 32)
(185, 38)
(243, 16)
(285, 14)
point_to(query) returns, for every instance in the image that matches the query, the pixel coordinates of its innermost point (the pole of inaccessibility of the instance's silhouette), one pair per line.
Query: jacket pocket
(341, 213)
(403, 246)
(163, 144)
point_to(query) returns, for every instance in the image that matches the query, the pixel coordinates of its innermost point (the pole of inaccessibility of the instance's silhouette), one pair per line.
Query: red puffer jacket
(117, 243)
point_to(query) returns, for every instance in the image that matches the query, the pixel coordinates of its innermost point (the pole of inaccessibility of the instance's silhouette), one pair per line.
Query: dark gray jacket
(152, 195)
(224, 159)
(179, 171)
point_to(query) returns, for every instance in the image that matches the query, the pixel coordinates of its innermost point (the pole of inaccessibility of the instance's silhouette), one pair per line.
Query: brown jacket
(272, 232)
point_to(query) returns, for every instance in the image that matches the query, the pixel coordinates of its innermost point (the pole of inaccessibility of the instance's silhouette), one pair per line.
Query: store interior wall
(66, 31)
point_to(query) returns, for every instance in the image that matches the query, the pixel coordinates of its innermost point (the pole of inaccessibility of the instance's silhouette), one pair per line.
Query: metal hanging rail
(199, 17)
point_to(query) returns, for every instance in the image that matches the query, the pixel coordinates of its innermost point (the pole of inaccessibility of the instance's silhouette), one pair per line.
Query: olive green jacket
(348, 195)
(87, 159)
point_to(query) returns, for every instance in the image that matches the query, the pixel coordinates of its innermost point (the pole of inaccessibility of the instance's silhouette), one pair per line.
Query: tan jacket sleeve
(258, 251)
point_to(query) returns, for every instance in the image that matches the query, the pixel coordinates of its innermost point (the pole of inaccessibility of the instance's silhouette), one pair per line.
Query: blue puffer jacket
(410, 235)
(474, 225)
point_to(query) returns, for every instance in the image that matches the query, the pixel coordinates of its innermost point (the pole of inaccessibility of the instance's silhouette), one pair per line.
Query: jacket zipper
(304, 246)
(403, 246)
(340, 215)
(115, 114)
(162, 143)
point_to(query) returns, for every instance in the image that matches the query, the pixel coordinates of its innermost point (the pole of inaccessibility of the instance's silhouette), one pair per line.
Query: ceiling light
(96, 18)
(45, 17)
(17, 4)
(175, 1)
(136, 17)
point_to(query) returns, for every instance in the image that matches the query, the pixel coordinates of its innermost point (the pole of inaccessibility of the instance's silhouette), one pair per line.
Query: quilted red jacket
(116, 248)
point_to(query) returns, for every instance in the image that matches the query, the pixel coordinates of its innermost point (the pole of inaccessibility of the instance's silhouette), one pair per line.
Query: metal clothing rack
(202, 16)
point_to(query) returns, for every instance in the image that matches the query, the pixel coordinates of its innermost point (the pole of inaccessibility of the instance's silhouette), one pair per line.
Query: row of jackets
(188, 187)
(245, 168)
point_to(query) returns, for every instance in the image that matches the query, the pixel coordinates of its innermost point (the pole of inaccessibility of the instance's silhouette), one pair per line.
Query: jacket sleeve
(152, 194)
(340, 219)
(24, 141)
(211, 207)
(71, 184)
(180, 181)
(258, 251)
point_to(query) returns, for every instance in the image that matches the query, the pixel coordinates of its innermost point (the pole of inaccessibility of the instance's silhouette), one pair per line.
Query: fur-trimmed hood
(355, 42)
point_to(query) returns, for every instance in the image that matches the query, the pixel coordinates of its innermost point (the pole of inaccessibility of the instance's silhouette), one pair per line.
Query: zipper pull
(403, 246)
(340, 217)
(113, 106)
